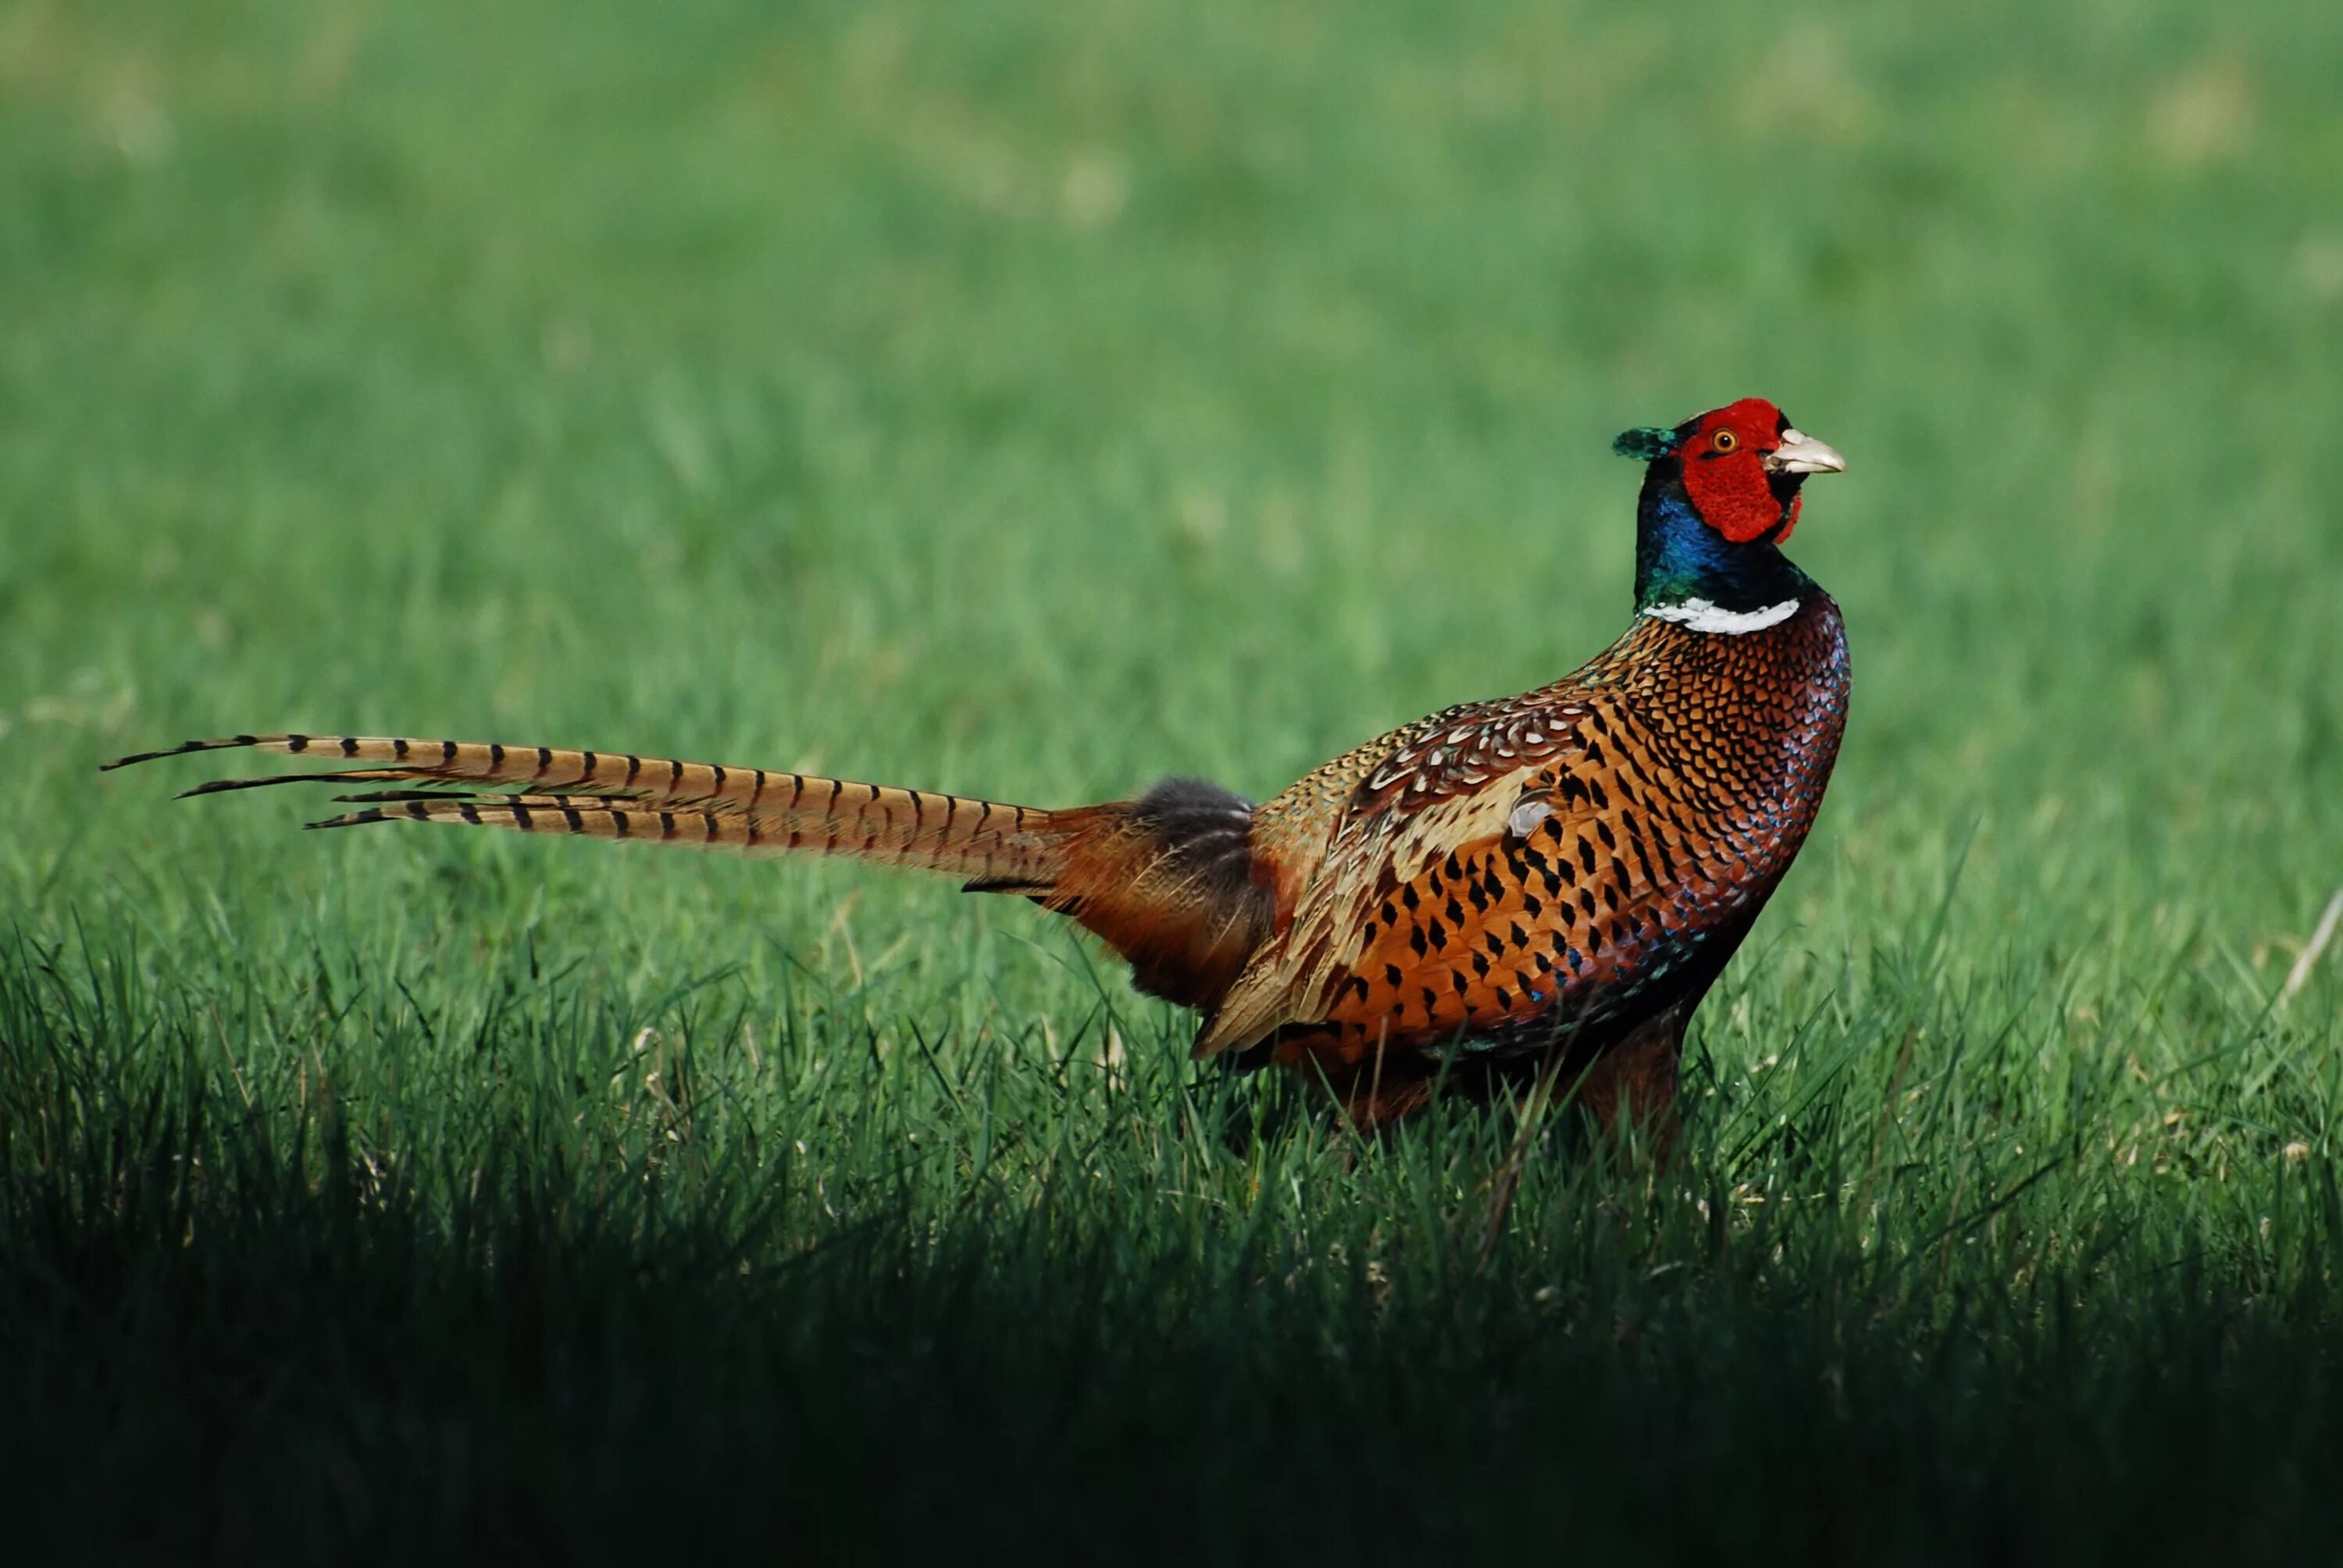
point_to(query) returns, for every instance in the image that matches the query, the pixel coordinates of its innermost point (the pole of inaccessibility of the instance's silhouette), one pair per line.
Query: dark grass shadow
(238, 1322)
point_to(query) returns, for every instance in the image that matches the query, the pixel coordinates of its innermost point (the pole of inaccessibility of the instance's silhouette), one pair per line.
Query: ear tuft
(1645, 443)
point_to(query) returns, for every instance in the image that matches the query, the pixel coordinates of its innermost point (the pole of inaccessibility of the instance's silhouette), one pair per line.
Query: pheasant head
(1721, 493)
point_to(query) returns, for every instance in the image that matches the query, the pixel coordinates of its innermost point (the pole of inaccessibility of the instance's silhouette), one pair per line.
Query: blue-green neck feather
(1680, 558)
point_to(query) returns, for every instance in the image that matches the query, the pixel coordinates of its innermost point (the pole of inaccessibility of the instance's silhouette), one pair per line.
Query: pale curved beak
(1800, 453)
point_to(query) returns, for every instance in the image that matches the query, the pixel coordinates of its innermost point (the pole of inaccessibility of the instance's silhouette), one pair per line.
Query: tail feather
(609, 773)
(622, 795)
(1167, 879)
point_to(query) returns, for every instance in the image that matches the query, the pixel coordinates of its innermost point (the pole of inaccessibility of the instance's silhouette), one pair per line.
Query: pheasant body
(1549, 880)
(1551, 870)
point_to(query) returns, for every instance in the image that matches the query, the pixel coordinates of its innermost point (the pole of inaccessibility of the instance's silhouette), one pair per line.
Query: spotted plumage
(1549, 880)
(1554, 868)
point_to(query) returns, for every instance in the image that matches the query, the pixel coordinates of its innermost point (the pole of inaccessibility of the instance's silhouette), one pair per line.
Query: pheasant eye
(1725, 441)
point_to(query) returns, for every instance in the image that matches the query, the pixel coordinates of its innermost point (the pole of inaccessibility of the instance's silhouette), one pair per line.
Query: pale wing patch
(1434, 829)
(1527, 813)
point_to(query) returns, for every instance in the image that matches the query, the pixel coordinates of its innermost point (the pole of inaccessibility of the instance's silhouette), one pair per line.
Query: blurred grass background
(1029, 400)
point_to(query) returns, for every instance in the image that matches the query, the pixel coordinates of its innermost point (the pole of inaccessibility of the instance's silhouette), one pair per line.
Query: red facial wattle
(1725, 473)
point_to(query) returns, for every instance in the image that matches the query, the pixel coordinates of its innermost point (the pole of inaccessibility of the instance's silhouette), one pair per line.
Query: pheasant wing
(1403, 807)
(1502, 866)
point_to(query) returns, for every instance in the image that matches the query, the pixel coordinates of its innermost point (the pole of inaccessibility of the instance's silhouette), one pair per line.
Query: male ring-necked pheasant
(1548, 880)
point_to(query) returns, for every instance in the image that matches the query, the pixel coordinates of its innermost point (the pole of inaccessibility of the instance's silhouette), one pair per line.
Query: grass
(1029, 399)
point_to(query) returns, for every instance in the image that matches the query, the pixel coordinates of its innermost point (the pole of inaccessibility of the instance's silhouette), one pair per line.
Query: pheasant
(1548, 882)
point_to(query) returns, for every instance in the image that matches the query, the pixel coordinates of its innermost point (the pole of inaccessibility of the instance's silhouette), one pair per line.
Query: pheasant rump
(1547, 881)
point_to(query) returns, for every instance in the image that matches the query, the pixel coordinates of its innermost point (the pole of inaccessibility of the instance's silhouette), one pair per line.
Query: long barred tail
(657, 799)
(1168, 880)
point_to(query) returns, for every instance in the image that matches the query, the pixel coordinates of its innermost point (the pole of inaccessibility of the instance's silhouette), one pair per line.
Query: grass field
(1029, 399)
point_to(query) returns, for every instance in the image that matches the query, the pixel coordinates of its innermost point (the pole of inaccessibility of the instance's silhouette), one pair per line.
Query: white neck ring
(1699, 614)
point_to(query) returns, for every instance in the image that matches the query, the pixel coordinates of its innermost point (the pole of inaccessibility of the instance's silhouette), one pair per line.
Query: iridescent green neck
(1679, 559)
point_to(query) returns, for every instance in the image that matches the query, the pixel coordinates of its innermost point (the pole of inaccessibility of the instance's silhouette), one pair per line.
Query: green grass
(1029, 399)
